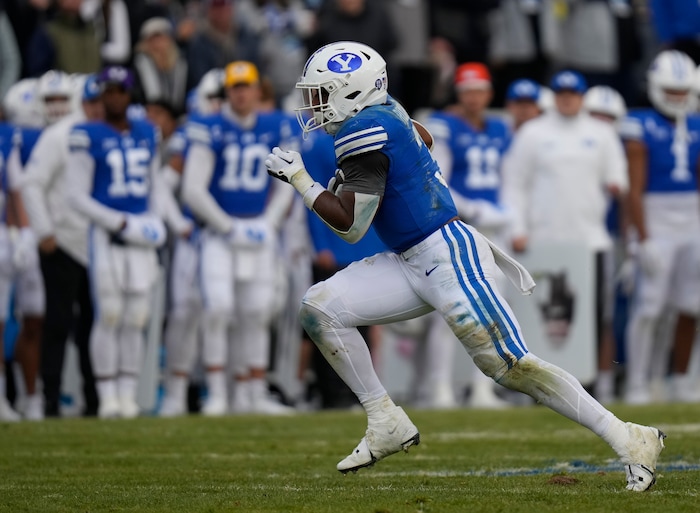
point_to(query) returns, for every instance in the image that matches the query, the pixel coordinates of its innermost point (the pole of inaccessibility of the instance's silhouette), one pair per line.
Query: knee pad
(109, 310)
(137, 310)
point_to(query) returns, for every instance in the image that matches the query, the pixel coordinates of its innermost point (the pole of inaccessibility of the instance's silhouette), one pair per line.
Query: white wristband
(312, 193)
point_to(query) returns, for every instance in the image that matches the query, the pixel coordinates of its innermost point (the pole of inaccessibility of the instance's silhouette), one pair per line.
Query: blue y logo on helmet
(344, 62)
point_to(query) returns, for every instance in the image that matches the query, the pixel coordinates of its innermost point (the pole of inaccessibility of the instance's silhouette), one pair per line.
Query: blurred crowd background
(173, 46)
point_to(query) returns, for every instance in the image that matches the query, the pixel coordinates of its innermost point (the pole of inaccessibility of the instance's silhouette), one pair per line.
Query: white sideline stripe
(577, 467)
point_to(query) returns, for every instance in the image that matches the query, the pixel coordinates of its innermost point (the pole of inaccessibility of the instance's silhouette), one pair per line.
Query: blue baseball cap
(117, 75)
(91, 89)
(568, 81)
(523, 89)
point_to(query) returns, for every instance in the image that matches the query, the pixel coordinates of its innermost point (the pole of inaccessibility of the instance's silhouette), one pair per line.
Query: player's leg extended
(372, 291)
(493, 338)
(216, 275)
(182, 326)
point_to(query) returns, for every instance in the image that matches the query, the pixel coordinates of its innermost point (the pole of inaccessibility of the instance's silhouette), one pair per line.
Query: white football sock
(216, 383)
(558, 390)
(639, 347)
(104, 349)
(106, 388)
(126, 386)
(180, 340)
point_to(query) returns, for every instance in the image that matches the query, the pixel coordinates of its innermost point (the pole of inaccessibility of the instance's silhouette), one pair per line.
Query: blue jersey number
(244, 168)
(129, 172)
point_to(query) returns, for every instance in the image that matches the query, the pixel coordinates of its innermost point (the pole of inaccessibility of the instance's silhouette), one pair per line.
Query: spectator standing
(66, 42)
(355, 20)
(220, 41)
(161, 70)
(282, 26)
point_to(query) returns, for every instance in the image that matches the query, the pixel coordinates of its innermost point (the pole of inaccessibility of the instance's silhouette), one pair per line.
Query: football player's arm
(80, 172)
(637, 165)
(164, 203)
(16, 214)
(350, 213)
(39, 175)
(199, 168)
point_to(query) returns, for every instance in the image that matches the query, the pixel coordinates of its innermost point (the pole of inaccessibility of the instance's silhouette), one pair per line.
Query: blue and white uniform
(671, 210)
(19, 257)
(111, 178)
(437, 262)
(242, 209)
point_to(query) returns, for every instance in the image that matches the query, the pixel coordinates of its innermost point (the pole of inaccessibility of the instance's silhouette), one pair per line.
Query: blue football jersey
(240, 183)
(671, 162)
(476, 154)
(122, 162)
(25, 139)
(416, 199)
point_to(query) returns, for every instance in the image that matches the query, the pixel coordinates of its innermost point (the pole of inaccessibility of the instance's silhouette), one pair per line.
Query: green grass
(468, 461)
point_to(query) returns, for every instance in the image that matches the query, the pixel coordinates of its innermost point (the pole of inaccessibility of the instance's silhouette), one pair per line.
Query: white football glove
(288, 166)
(627, 275)
(335, 184)
(650, 260)
(24, 248)
(250, 233)
(143, 230)
(284, 165)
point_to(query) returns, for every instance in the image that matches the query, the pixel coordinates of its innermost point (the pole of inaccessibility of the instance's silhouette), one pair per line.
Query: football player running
(438, 262)
(112, 181)
(226, 186)
(663, 148)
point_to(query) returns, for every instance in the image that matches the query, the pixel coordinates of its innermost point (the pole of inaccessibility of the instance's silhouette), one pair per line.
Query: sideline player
(185, 305)
(663, 148)
(227, 188)
(438, 262)
(62, 236)
(111, 179)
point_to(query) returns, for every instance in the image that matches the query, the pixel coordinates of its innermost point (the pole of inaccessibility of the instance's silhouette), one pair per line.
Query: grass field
(519, 460)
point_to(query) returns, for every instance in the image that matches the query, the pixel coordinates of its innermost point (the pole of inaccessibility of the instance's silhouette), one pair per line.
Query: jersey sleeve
(357, 137)
(632, 129)
(79, 139)
(198, 132)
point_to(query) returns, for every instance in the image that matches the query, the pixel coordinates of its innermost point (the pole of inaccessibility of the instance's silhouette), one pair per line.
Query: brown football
(424, 134)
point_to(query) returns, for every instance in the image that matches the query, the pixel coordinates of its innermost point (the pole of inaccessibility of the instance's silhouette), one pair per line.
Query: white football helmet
(208, 96)
(21, 106)
(338, 81)
(55, 90)
(605, 100)
(671, 74)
